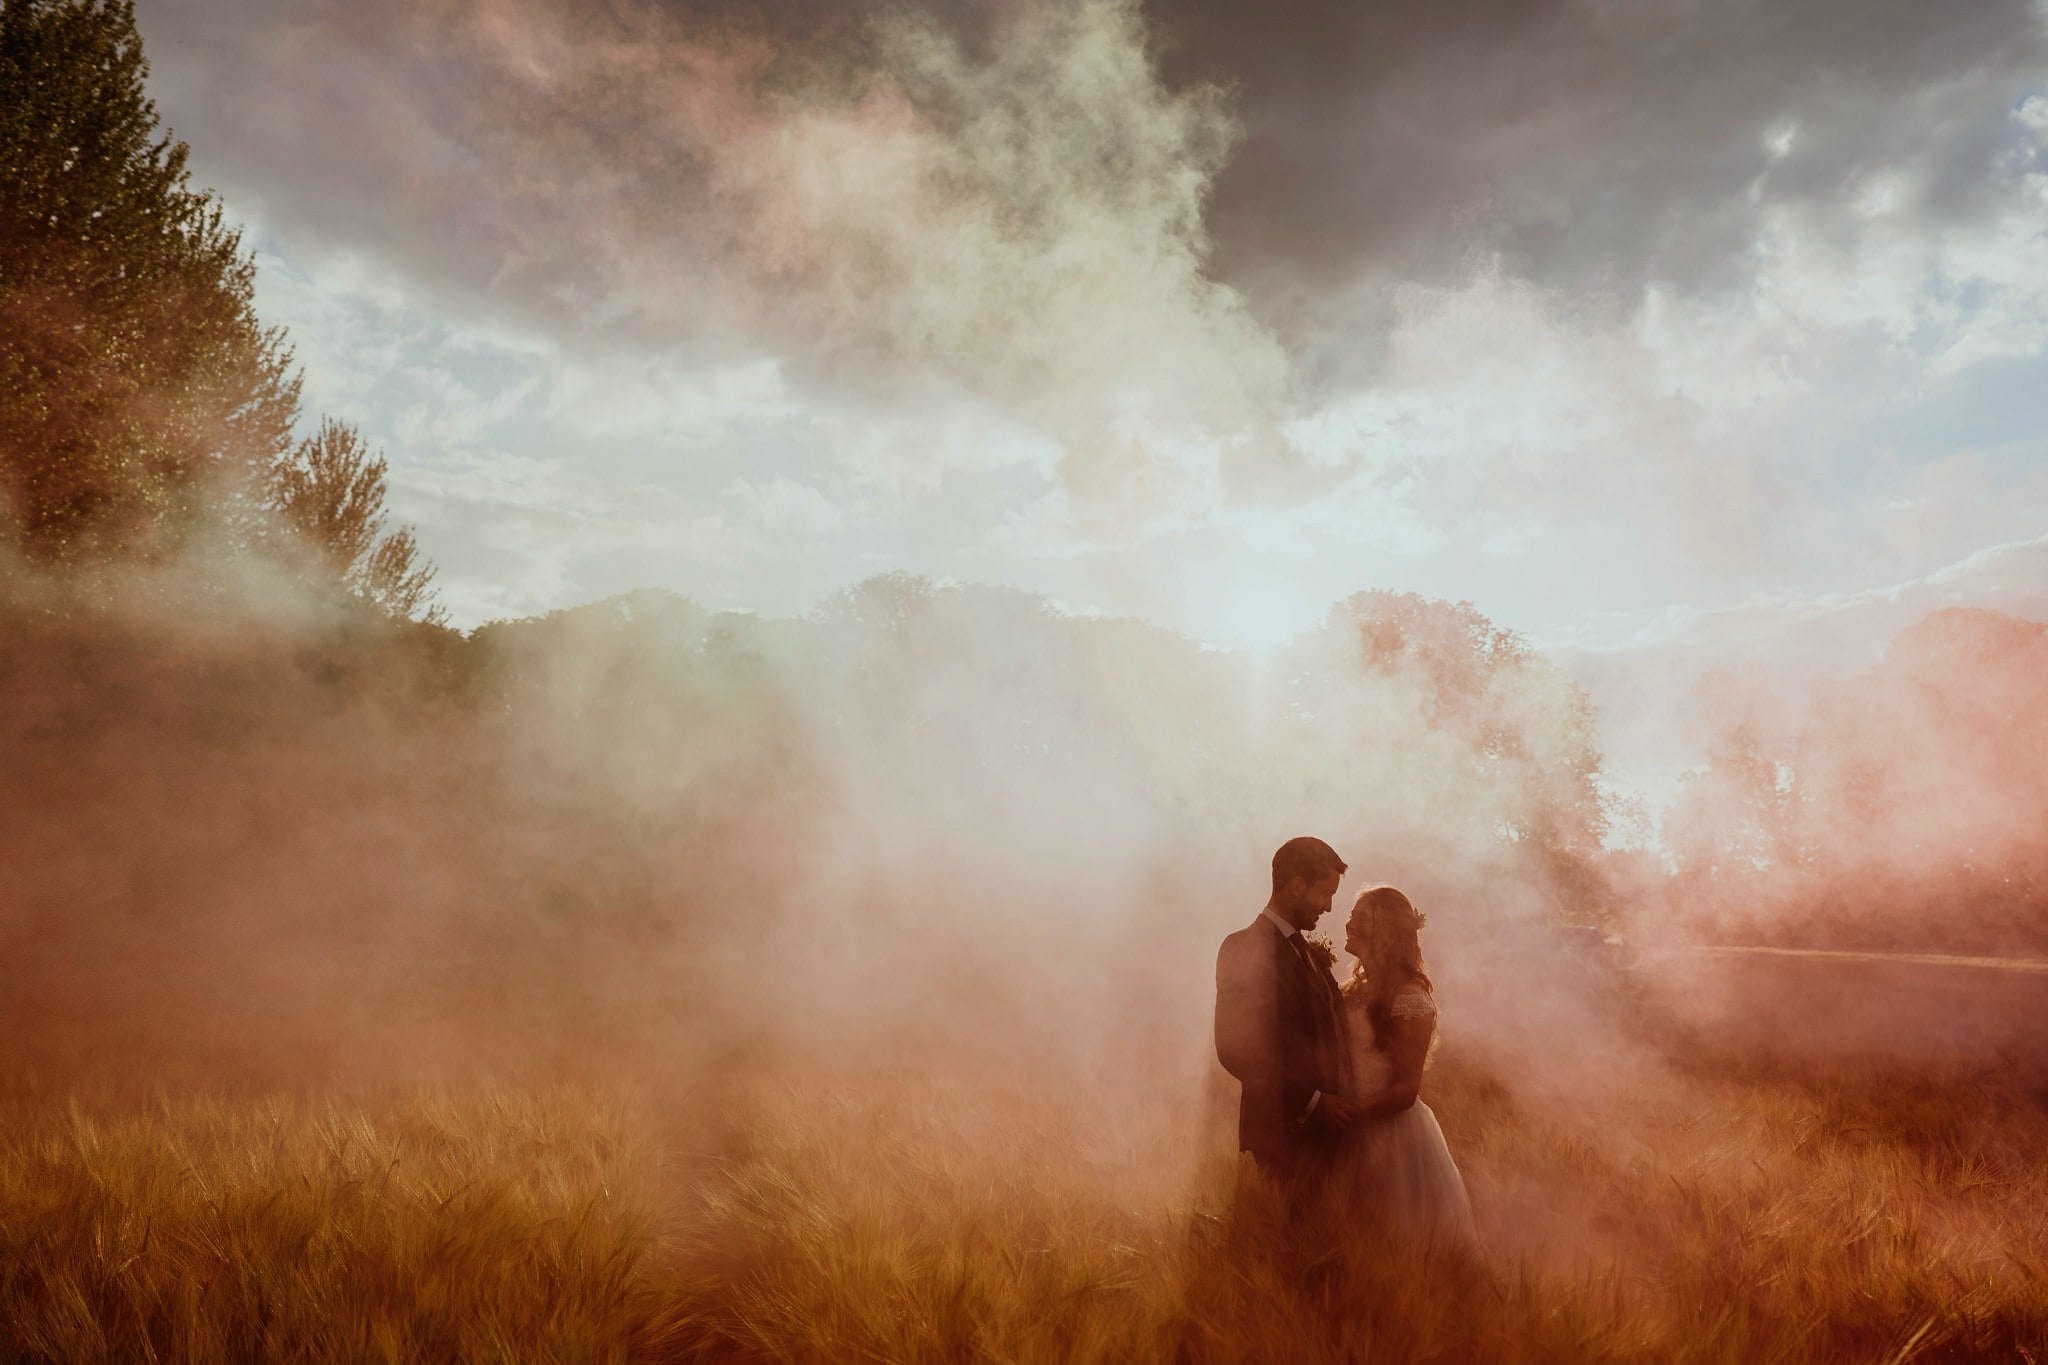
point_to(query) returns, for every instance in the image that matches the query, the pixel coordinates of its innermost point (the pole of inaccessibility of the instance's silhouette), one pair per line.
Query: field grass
(1752, 1217)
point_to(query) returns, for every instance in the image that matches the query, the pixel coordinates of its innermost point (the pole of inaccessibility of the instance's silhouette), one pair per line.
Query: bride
(1395, 1158)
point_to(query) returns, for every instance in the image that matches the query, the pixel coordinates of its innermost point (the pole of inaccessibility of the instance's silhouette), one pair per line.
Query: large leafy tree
(1446, 735)
(139, 393)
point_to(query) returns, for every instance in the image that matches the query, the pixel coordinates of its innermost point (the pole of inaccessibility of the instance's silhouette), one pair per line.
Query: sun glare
(1259, 615)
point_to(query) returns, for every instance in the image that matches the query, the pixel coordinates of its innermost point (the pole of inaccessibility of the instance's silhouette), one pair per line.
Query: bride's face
(1354, 935)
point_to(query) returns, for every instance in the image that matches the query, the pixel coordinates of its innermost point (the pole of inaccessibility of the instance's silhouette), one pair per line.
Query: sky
(1654, 329)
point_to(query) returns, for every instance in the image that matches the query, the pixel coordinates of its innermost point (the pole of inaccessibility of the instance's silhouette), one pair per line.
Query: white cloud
(782, 507)
(536, 534)
(656, 397)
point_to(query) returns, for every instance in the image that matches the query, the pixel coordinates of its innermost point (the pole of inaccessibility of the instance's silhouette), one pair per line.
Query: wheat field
(1768, 1216)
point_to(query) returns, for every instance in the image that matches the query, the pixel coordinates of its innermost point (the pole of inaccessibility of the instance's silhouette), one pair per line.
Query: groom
(1280, 1021)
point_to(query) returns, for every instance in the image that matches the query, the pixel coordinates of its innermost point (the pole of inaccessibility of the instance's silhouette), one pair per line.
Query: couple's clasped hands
(1334, 1111)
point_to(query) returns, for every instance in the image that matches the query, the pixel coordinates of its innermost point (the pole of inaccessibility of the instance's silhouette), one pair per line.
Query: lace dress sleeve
(1414, 1012)
(1413, 1005)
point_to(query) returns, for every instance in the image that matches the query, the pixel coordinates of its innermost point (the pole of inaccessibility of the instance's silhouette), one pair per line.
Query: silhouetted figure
(1280, 1025)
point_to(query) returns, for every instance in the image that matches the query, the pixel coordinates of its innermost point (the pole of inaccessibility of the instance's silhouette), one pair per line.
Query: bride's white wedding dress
(1398, 1165)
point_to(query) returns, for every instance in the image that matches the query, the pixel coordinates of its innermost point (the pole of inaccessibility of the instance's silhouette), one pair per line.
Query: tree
(1735, 821)
(329, 494)
(1901, 809)
(1432, 728)
(139, 394)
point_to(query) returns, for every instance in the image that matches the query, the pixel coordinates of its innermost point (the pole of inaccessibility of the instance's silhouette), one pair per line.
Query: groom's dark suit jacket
(1280, 1031)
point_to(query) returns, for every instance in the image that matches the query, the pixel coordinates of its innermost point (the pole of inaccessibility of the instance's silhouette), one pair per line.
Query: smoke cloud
(921, 820)
(902, 212)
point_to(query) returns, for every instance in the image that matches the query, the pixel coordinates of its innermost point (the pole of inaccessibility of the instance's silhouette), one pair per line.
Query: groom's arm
(1247, 1028)
(1246, 1020)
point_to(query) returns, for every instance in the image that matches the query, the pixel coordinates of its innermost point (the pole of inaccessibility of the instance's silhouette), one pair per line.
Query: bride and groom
(1331, 1074)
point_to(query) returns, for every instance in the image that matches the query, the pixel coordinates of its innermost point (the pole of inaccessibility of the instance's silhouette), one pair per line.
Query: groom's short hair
(1306, 857)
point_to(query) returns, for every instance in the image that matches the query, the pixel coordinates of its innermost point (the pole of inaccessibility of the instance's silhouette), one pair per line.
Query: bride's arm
(1406, 1051)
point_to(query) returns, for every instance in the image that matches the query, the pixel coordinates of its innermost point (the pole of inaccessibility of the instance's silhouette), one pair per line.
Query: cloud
(783, 507)
(1593, 147)
(895, 212)
(1589, 313)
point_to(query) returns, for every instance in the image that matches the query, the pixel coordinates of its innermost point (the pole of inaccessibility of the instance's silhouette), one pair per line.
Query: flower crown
(1390, 912)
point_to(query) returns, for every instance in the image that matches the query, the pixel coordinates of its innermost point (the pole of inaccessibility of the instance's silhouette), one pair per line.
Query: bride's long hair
(1391, 931)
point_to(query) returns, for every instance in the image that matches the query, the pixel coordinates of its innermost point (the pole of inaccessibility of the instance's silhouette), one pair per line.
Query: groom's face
(1311, 899)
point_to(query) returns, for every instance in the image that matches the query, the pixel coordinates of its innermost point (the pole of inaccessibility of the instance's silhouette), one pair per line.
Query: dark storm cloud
(1593, 146)
(516, 150)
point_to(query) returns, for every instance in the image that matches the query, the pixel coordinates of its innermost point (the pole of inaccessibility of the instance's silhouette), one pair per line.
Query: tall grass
(1755, 1218)
(493, 1227)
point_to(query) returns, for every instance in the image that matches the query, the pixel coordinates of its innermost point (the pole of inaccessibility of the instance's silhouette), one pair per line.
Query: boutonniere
(1320, 952)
